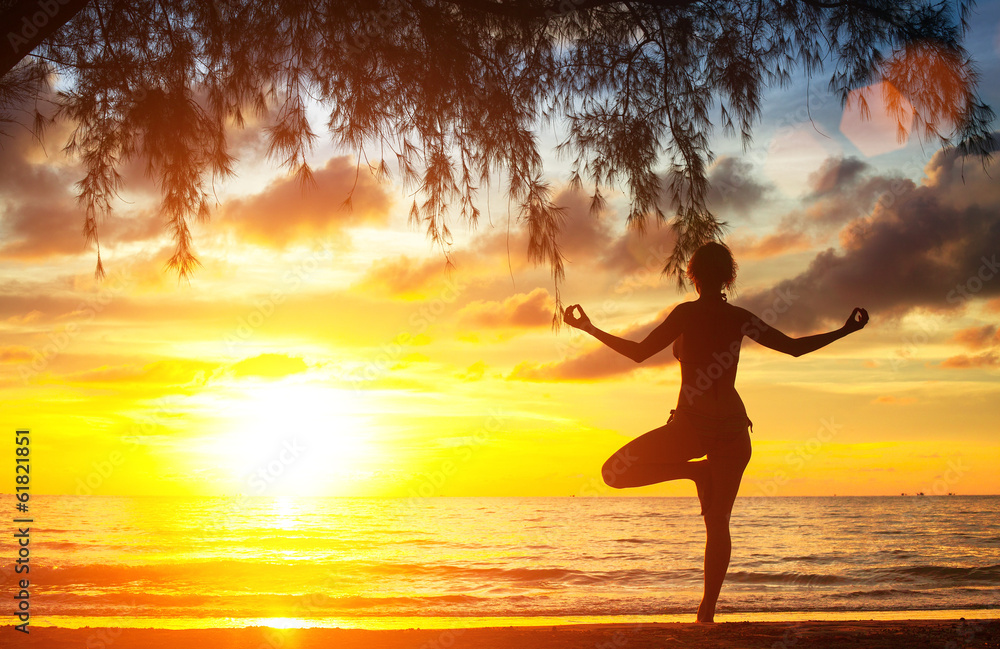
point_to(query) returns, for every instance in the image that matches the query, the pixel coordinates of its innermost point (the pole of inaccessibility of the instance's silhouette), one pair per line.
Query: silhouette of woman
(710, 419)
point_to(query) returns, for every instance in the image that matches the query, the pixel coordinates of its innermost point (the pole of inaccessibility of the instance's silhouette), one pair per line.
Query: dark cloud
(46, 227)
(51, 227)
(932, 246)
(287, 211)
(732, 188)
(634, 251)
(843, 189)
(584, 233)
(597, 363)
(837, 206)
(41, 215)
(836, 174)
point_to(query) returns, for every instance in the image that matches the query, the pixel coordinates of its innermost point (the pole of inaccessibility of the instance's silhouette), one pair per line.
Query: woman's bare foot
(706, 616)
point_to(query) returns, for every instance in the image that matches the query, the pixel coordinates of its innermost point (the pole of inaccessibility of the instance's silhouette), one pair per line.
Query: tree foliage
(453, 91)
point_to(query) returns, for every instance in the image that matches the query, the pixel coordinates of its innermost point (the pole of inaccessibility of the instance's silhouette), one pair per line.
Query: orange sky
(320, 351)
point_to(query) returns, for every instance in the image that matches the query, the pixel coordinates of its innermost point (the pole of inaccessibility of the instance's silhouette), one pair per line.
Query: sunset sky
(322, 351)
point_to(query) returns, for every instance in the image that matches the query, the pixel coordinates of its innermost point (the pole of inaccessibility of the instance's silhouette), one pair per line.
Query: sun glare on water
(294, 440)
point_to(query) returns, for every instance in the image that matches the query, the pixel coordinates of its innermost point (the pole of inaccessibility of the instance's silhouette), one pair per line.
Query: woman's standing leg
(726, 464)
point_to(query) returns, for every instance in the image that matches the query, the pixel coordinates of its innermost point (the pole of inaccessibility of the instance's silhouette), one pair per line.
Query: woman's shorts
(719, 429)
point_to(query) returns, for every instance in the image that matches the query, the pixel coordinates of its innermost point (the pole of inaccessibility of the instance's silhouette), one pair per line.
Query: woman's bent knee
(611, 477)
(616, 467)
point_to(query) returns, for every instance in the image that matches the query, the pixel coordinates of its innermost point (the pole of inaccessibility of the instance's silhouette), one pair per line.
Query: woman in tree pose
(710, 419)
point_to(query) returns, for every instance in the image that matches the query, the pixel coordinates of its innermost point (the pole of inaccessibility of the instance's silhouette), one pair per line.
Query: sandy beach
(745, 635)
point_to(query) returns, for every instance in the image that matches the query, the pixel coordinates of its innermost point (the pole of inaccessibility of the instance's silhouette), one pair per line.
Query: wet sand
(903, 634)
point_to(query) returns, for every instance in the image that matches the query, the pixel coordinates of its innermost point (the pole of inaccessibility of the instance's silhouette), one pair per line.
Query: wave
(877, 593)
(321, 605)
(812, 558)
(222, 575)
(253, 573)
(984, 574)
(785, 578)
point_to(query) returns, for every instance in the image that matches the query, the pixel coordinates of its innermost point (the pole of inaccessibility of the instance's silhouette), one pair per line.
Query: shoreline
(885, 634)
(472, 622)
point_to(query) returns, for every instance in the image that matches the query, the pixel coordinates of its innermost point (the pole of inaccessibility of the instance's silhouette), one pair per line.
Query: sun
(294, 439)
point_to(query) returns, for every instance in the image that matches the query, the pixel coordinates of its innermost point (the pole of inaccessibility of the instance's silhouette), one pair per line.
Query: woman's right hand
(580, 322)
(857, 321)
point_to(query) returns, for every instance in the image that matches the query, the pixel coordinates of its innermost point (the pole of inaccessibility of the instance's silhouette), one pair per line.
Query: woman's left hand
(580, 322)
(857, 321)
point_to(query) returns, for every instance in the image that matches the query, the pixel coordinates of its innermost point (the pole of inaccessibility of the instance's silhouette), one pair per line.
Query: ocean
(205, 562)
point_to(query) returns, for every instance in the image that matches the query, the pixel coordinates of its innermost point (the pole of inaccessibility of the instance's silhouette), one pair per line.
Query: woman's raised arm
(664, 334)
(768, 336)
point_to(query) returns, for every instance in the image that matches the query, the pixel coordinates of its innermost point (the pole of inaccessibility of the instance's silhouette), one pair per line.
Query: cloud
(474, 372)
(635, 252)
(963, 361)
(584, 233)
(43, 219)
(286, 211)
(985, 338)
(931, 246)
(891, 400)
(586, 240)
(163, 372)
(16, 354)
(523, 310)
(597, 363)
(41, 215)
(771, 245)
(836, 174)
(269, 366)
(978, 337)
(405, 276)
(841, 190)
(23, 319)
(732, 189)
